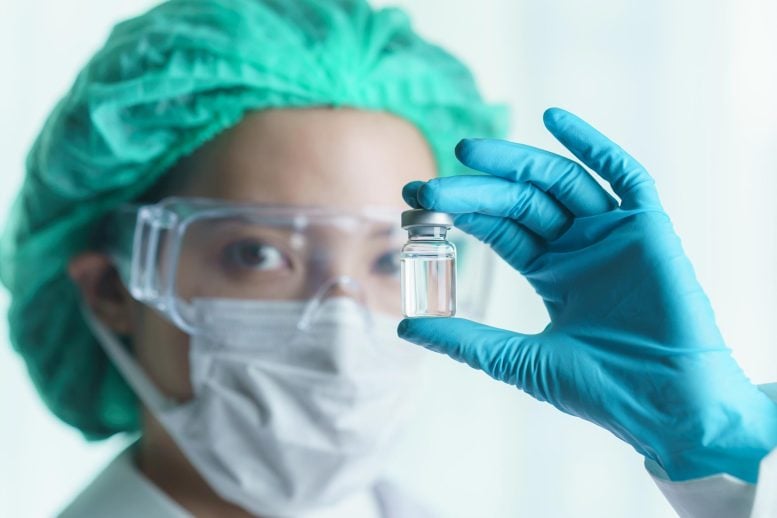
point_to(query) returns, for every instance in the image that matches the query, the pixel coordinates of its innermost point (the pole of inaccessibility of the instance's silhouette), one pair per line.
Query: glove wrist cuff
(737, 449)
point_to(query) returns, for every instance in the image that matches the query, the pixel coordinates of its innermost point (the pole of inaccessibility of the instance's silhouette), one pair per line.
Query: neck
(162, 462)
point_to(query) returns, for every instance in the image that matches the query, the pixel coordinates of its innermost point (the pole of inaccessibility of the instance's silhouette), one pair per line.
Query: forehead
(341, 158)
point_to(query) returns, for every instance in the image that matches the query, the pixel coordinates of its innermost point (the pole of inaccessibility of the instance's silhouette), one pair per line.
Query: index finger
(564, 179)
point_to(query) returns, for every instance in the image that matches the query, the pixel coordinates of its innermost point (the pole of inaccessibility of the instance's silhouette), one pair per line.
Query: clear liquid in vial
(428, 285)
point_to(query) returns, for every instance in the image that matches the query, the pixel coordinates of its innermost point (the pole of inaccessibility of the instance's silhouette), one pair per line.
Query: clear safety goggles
(179, 251)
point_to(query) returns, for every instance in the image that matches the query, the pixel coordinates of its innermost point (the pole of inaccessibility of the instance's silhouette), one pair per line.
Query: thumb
(503, 355)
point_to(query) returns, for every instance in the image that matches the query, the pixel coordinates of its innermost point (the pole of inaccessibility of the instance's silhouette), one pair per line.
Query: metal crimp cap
(426, 218)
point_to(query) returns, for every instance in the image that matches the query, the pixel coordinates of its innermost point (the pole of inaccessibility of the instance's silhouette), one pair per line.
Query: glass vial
(428, 265)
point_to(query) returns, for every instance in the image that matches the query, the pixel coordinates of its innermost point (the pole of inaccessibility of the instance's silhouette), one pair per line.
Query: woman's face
(337, 158)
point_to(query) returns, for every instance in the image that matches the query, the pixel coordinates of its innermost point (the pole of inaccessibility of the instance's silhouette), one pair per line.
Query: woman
(208, 224)
(209, 217)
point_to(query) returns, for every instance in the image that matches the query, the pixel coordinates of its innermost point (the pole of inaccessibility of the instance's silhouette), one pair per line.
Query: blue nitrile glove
(632, 343)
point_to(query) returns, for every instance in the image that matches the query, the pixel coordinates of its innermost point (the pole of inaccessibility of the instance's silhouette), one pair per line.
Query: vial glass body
(428, 277)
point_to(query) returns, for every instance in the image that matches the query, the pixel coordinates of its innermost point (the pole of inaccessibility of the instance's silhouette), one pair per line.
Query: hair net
(163, 84)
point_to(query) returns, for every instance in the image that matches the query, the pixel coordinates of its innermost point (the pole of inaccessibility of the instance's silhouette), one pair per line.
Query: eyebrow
(284, 223)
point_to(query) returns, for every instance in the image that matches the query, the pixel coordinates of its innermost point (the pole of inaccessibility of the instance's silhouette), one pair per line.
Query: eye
(251, 254)
(387, 264)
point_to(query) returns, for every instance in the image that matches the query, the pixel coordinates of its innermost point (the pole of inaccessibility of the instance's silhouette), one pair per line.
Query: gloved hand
(632, 343)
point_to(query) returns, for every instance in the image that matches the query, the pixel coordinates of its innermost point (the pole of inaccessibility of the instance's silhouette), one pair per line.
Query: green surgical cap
(165, 83)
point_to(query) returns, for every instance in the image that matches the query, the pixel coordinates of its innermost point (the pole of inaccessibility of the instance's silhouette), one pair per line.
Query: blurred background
(687, 87)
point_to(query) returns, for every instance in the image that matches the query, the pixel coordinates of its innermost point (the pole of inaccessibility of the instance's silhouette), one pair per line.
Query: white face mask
(284, 421)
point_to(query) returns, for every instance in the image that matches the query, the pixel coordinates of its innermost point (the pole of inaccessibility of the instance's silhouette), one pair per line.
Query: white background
(688, 87)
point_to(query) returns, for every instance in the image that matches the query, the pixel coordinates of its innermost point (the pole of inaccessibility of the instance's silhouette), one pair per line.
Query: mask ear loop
(135, 376)
(312, 307)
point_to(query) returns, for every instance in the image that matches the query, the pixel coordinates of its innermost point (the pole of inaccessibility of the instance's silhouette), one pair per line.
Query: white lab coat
(723, 496)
